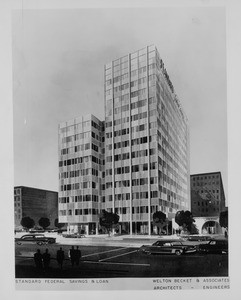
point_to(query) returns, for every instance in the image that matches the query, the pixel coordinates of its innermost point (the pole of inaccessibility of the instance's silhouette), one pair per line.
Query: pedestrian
(72, 255)
(60, 257)
(38, 260)
(77, 255)
(46, 259)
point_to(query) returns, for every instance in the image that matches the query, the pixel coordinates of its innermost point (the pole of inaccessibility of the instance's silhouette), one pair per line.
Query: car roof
(219, 240)
(33, 235)
(169, 241)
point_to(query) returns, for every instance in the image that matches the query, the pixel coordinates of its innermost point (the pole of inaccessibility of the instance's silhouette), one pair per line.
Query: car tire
(148, 253)
(18, 243)
(40, 243)
(178, 252)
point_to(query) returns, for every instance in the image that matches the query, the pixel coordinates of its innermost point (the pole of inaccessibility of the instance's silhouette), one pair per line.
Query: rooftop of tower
(151, 48)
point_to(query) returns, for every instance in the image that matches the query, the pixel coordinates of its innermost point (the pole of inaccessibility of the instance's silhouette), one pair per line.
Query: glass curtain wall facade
(80, 173)
(146, 142)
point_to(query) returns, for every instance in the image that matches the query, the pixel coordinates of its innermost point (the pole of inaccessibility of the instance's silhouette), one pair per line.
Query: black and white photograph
(120, 147)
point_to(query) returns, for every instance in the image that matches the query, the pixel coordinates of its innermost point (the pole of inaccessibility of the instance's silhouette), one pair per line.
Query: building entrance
(211, 227)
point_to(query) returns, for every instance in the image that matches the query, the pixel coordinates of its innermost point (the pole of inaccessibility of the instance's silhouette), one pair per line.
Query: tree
(27, 222)
(168, 227)
(223, 219)
(57, 224)
(108, 220)
(159, 220)
(185, 220)
(44, 222)
(194, 229)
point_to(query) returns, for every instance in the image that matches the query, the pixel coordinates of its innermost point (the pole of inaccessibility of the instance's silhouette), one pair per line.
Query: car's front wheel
(178, 252)
(18, 243)
(40, 243)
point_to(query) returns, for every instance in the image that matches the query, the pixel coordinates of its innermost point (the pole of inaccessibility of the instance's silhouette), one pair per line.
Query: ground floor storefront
(94, 228)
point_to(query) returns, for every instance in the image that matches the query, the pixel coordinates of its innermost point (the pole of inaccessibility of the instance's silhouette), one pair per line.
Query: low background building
(35, 203)
(207, 194)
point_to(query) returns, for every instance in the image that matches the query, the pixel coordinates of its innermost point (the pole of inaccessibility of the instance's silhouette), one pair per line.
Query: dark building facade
(35, 203)
(207, 194)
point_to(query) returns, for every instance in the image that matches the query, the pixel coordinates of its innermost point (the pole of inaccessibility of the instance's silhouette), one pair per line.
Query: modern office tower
(207, 194)
(36, 204)
(146, 142)
(80, 173)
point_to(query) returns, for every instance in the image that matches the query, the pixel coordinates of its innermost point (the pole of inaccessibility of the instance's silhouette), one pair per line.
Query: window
(135, 168)
(143, 181)
(154, 194)
(145, 167)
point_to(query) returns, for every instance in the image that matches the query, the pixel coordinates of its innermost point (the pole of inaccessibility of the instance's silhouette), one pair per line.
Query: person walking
(60, 257)
(46, 259)
(77, 255)
(38, 260)
(72, 255)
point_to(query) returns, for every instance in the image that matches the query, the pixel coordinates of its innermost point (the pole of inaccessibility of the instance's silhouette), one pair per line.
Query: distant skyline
(58, 69)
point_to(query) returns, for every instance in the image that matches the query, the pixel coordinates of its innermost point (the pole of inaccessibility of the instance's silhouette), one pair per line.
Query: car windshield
(212, 243)
(176, 243)
(27, 237)
(167, 243)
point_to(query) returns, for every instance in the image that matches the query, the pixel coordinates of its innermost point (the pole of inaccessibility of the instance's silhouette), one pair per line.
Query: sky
(58, 68)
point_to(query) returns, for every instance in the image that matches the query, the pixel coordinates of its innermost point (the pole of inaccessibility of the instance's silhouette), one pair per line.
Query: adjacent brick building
(207, 194)
(35, 203)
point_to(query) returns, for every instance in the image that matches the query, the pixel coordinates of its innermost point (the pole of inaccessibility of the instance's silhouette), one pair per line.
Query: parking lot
(121, 259)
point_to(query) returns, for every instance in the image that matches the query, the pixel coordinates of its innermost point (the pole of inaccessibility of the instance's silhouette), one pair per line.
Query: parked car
(36, 230)
(19, 230)
(39, 239)
(215, 247)
(195, 240)
(53, 230)
(198, 238)
(168, 247)
(73, 235)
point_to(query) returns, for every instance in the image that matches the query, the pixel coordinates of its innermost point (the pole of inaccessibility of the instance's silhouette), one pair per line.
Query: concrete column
(97, 228)
(87, 229)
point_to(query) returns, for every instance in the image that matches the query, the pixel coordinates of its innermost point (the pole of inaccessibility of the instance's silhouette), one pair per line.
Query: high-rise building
(146, 141)
(36, 204)
(144, 162)
(80, 172)
(207, 194)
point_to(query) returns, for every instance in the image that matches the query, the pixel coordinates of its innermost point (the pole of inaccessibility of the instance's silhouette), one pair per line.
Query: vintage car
(195, 240)
(198, 238)
(73, 235)
(39, 239)
(168, 247)
(36, 230)
(214, 247)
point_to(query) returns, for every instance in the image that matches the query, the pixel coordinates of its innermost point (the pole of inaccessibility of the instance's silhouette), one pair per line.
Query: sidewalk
(104, 239)
(112, 240)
